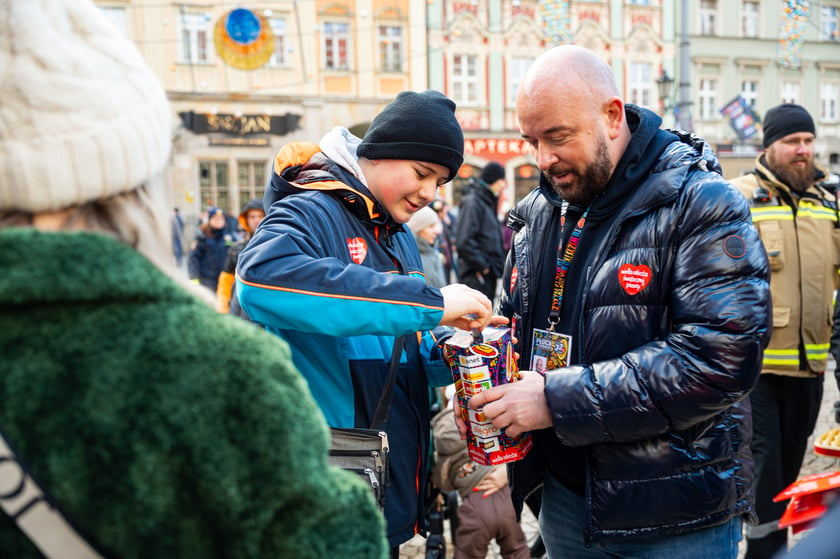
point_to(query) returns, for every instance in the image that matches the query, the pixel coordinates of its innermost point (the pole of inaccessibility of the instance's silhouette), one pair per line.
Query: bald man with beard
(636, 262)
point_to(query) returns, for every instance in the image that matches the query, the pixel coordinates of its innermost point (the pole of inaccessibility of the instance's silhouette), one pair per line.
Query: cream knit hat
(422, 218)
(82, 117)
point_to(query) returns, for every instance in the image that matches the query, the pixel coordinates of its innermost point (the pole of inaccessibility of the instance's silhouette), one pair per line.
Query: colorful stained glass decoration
(556, 22)
(244, 39)
(795, 15)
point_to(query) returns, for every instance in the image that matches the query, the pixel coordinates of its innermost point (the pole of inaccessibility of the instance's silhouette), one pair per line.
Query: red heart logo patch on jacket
(633, 278)
(358, 249)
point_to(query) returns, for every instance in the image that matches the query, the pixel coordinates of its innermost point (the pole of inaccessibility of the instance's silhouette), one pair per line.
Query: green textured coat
(163, 429)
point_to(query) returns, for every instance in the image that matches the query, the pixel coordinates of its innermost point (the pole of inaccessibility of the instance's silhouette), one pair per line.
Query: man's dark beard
(592, 181)
(797, 179)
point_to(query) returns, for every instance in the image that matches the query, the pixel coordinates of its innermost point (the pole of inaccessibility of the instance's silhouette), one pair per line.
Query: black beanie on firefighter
(785, 119)
(417, 127)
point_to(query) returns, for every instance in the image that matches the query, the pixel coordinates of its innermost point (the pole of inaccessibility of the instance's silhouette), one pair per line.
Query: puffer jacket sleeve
(714, 313)
(290, 276)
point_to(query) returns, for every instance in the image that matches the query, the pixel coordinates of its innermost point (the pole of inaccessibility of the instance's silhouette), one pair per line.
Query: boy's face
(403, 187)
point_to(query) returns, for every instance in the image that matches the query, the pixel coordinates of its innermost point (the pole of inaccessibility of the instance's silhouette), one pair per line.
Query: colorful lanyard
(564, 259)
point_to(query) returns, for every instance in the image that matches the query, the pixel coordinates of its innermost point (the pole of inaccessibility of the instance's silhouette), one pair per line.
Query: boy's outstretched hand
(467, 309)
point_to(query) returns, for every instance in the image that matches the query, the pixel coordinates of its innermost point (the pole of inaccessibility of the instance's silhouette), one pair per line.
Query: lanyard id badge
(549, 350)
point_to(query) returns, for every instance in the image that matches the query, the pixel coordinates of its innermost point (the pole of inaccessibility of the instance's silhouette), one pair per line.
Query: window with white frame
(390, 48)
(790, 92)
(278, 28)
(194, 38)
(708, 14)
(336, 46)
(829, 93)
(252, 180)
(828, 23)
(708, 99)
(749, 19)
(214, 184)
(749, 91)
(116, 15)
(465, 79)
(518, 66)
(639, 83)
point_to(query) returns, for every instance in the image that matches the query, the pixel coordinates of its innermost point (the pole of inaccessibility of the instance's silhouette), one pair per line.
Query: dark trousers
(784, 414)
(485, 284)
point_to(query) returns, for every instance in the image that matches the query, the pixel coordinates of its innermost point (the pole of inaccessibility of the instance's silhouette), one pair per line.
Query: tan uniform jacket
(802, 240)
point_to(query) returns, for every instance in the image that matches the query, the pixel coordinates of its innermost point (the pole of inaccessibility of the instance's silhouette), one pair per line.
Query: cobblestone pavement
(813, 463)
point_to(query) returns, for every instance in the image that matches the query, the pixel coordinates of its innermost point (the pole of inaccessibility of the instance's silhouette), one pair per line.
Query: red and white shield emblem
(358, 249)
(633, 278)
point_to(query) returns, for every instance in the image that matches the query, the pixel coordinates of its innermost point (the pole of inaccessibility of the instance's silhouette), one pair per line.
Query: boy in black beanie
(332, 271)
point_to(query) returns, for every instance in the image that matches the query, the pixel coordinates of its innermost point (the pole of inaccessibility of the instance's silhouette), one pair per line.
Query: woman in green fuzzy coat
(159, 428)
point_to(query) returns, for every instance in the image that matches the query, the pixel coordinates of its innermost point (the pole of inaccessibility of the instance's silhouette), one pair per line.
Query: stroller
(442, 505)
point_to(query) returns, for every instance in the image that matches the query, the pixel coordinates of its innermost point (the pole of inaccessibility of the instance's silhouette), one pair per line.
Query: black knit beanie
(492, 172)
(417, 127)
(786, 119)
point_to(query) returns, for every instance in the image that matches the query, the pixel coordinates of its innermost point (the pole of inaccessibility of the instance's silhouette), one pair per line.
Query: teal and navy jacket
(330, 272)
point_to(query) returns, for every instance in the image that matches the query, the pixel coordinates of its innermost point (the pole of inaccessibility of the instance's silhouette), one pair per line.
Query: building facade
(338, 62)
(767, 52)
(328, 64)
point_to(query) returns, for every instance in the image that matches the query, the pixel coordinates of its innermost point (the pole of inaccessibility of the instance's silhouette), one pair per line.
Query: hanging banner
(244, 39)
(741, 117)
(795, 15)
(556, 22)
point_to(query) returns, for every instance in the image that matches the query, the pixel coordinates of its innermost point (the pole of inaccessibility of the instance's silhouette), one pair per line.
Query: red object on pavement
(828, 444)
(810, 497)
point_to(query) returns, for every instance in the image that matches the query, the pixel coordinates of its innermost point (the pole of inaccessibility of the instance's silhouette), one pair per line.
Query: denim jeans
(562, 520)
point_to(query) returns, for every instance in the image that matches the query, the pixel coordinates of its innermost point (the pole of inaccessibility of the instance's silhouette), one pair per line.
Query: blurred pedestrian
(446, 244)
(636, 268)
(178, 237)
(152, 426)
(208, 250)
(478, 234)
(250, 217)
(426, 228)
(797, 220)
(333, 271)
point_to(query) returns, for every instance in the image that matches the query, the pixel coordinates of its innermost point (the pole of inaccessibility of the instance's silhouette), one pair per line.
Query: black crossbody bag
(365, 451)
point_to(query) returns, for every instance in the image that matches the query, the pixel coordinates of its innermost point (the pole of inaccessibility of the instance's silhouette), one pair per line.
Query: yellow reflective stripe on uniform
(808, 209)
(816, 352)
(789, 357)
(772, 212)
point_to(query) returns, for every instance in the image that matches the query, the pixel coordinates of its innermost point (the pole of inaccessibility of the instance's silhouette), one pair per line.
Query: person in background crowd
(332, 270)
(426, 227)
(835, 350)
(209, 249)
(178, 237)
(485, 512)
(797, 221)
(250, 217)
(446, 244)
(154, 426)
(478, 233)
(636, 268)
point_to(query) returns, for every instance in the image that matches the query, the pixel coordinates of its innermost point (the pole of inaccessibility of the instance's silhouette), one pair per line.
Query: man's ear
(613, 116)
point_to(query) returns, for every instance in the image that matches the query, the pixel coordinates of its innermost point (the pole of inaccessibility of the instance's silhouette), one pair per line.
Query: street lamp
(664, 83)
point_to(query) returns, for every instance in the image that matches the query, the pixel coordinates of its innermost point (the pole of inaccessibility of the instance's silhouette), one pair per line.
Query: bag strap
(383, 408)
(34, 512)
